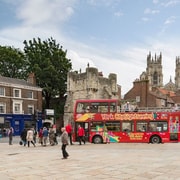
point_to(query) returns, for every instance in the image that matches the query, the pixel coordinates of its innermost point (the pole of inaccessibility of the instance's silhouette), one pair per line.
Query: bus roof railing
(152, 109)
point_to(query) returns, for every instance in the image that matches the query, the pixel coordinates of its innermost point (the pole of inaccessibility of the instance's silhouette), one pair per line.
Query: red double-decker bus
(104, 123)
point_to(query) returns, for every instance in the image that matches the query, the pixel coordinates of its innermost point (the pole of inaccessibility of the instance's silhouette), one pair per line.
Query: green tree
(12, 63)
(48, 61)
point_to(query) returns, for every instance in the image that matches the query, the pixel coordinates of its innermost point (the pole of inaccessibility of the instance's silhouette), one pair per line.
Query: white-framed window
(2, 91)
(30, 94)
(17, 107)
(17, 93)
(2, 108)
(163, 102)
(138, 98)
(30, 109)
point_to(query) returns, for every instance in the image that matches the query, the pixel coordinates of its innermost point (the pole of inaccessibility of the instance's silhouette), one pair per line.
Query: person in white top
(30, 135)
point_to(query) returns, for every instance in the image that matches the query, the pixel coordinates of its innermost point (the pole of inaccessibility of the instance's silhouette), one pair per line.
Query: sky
(114, 36)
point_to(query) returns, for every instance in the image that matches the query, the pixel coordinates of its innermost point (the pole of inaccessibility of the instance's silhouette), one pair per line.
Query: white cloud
(149, 11)
(145, 19)
(38, 12)
(155, 1)
(79, 62)
(170, 20)
(170, 3)
(118, 14)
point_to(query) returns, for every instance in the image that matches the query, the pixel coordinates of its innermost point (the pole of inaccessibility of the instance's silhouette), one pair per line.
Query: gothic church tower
(154, 71)
(177, 73)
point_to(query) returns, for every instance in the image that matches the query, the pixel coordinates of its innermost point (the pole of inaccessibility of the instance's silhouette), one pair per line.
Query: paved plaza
(115, 161)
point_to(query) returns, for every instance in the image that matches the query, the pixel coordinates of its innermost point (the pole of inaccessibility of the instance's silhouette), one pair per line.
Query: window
(138, 98)
(17, 93)
(155, 78)
(82, 107)
(30, 109)
(141, 126)
(103, 107)
(93, 108)
(113, 107)
(127, 126)
(2, 108)
(30, 95)
(2, 91)
(113, 126)
(17, 107)
(96, 126)
(158, 126)
(28, 124)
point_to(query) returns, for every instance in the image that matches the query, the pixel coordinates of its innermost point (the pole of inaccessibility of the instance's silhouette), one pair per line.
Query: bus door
(85, 125)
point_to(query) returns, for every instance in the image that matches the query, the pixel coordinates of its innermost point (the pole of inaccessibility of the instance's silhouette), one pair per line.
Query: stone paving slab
(115, 161)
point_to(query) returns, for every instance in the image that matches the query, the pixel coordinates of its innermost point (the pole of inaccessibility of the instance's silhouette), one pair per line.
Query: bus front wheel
(155, 139)
(97, 140)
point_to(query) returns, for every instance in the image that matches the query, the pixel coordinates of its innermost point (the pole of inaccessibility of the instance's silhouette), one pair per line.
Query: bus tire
(155, 139)
(97, 140)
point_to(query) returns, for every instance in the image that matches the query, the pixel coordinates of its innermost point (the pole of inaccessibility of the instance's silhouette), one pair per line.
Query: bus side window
(87, 109)
(96, 126)
(127, 126)
(141, 127)
(79, 108)
(112, 107)
(94, 109)
(103, 109)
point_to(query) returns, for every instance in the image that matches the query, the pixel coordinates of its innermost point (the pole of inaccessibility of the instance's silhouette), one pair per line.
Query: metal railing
(152, 109)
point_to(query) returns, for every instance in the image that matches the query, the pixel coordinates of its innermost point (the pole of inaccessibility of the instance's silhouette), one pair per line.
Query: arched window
(155, 78)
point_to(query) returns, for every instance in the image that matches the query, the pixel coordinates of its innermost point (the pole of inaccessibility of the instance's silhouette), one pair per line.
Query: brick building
(149, 91)
(20, 103)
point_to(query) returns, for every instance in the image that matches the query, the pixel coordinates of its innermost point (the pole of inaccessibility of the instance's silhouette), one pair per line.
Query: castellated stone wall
(89, 85)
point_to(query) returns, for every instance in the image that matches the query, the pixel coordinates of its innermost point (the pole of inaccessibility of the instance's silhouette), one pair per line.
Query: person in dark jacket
(45, 135)
(10, 134)
(23, 136)
(64, 140)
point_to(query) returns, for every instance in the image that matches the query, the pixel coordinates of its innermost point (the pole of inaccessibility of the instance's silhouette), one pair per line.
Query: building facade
(89, 85)
(20, 103)
(149, 91)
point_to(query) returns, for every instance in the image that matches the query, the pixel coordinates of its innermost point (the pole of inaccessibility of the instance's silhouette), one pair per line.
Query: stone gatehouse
(89, 85)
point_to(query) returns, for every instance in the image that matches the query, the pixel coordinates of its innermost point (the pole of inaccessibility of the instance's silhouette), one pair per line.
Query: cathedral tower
(154, 71)
(177, 73)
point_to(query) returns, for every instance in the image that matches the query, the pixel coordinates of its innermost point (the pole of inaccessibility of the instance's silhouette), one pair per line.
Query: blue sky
(114, 36)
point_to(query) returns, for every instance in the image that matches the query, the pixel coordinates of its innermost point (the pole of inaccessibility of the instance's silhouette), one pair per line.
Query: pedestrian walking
(51, 137)
(81, 134)
(34, 135)
(40, 135)
(69, 131)
(29, 137)
(64, 140)
(55, 138)
(10, 135)
(23, 137)
(45, 136)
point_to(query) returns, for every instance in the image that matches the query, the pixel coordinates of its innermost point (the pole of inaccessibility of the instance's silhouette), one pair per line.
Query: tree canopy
(48, 61)
(12, 63)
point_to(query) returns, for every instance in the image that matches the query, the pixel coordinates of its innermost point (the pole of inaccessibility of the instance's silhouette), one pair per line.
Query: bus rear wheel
(155, 139)
(97, 140)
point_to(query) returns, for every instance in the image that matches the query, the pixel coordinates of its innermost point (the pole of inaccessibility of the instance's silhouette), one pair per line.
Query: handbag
(20, 143)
